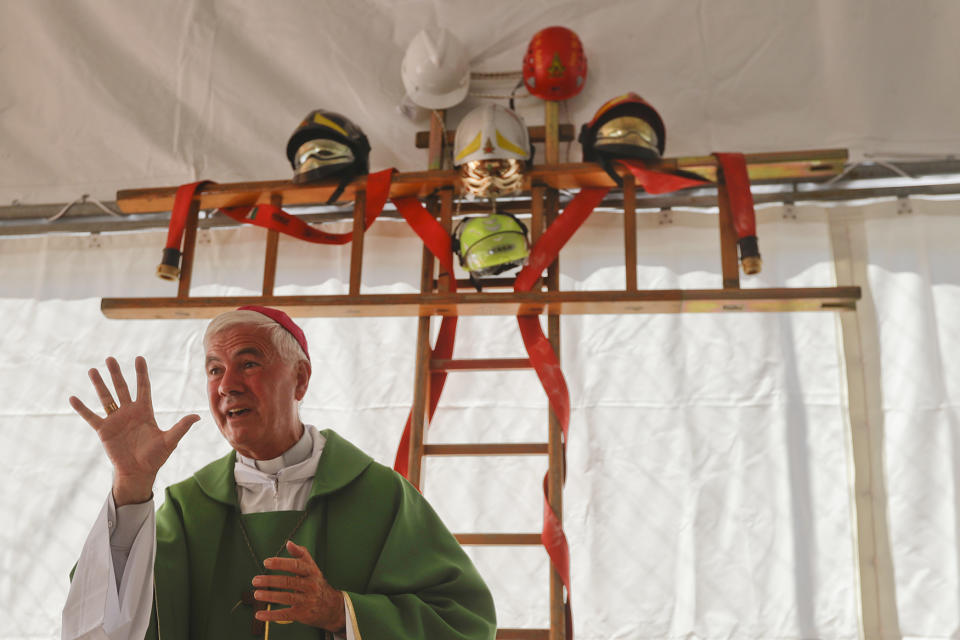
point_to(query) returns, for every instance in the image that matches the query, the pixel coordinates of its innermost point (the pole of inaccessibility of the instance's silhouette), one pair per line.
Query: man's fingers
(303, 555)
(301, 564)
(277, 597)
(279, 615)
(143, 380)
(295, 566)
(273, 581)
(177, 431)
(123, 393)
(92, 419)
(106, 398)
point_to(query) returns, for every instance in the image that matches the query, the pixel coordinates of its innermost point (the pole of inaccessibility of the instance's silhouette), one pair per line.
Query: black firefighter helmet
(327, 144)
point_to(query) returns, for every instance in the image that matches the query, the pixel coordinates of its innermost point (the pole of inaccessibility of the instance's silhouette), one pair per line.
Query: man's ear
(303, 379)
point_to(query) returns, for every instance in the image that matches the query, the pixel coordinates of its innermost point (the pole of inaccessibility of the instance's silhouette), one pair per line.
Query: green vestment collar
(340, 463)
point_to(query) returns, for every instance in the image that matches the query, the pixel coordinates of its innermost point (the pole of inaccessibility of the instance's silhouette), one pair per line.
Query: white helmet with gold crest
(492, 150)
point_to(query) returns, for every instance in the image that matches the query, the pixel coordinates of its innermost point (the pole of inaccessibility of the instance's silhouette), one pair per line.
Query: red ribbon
(272, 217)
(547, 365)
(437, 240)
(429, 230)
(733, 173)
(654, 181)
(548, 246)
(443, 349)
(178, 215)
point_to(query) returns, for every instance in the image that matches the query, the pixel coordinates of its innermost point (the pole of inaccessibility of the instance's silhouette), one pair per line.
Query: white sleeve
(352, 632)
(101, 604)
(353, 629)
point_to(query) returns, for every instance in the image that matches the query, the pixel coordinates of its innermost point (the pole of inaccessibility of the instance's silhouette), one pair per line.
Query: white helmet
(492, 149)
(436, 70)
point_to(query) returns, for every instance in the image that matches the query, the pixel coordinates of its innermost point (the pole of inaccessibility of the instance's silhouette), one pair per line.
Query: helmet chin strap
(607, 164)
(347, 177)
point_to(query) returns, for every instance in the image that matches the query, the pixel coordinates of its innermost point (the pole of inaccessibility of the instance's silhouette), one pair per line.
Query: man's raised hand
(133, 441)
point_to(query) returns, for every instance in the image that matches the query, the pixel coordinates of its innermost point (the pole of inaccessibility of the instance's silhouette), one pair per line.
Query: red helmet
(554, 67)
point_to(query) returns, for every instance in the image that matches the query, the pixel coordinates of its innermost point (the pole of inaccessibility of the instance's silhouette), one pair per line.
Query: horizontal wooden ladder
(777, 166)
(498, 303)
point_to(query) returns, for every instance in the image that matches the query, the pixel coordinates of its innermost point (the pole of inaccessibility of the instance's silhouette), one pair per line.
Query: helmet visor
(485, 178)
(319, 153)
(627, 131)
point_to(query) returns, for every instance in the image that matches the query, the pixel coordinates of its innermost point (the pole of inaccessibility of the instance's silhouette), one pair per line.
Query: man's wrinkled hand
(306, 595)
(133, 441)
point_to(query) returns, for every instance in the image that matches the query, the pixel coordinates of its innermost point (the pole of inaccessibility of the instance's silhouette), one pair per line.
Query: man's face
(253, 393)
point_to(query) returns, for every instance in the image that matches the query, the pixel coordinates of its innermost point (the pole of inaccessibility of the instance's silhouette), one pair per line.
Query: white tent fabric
(708, 490)
(106, 95)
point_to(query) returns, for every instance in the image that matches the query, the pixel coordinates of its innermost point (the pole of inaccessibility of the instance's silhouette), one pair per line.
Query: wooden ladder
(544, 208)
(552, 447)
(439, 296)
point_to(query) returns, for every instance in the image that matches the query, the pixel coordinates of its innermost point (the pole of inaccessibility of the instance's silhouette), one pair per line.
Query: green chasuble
(370, 532)
(267, 533)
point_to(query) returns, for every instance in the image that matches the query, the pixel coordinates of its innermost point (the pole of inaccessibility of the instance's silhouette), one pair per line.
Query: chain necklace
(261, 627)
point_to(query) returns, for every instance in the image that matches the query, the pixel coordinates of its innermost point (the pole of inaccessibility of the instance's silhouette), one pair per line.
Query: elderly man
(295, 526)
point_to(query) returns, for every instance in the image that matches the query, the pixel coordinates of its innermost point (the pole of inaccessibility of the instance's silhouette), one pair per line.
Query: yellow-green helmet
(491, 244)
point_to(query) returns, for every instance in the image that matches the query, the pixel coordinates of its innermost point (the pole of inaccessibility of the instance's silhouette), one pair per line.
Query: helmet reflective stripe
(609, 104)
(470, 148)
(323, 121)
(503, 143)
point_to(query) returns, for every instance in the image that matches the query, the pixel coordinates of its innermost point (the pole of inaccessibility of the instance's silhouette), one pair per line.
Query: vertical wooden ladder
(543, 209)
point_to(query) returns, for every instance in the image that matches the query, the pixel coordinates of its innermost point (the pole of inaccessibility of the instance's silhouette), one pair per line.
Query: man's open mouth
(233, 413)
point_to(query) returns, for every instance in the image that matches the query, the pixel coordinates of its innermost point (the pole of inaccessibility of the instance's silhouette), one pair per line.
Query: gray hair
(286, 345)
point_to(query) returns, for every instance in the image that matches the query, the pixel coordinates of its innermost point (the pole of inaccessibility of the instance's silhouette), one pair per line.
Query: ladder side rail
(630, 230)
(356, 249)
(421, 383)
(729, 264)
(555, 453)
(270, 254)
(421, 386)
(189, 248)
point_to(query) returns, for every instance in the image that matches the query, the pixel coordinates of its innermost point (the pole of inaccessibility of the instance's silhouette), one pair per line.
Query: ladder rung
(486, 449)
(504, 539)
(479, 364)
(523, 634)
(486, 283)
(537, 133)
